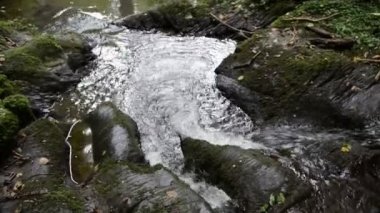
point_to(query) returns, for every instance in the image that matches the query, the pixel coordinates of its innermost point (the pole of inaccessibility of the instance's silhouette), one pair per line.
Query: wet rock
(298, 84)
(20, 106)
(182, 17)
(7, 87)
(41, 64)
(9, 125)
(81, 139)
(236, 93)
(354, 189)
(38, 173)
(248, 176)
(115, 135)
(134, 188)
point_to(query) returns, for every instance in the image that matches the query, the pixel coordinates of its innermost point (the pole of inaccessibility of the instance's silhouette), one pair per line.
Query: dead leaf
(240, 78)
(43, 161)
(377, 77)
(376, 57)
(18, 175)
(346, 148)
(18, 186)
(171, 194)
(355, 89)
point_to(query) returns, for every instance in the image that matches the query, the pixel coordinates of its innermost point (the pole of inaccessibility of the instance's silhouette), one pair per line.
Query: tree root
(309, 19)
(241, 31)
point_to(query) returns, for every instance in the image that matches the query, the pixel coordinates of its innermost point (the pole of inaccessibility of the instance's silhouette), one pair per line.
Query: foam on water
(166, 84)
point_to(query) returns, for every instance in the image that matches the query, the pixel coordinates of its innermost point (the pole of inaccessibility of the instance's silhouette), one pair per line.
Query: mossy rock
(44, 63)
(294, 83)
(44, 181)
(59, 199)
(7, 87)
(248, 176)
(139, 188)
(8, 27)
(20, 106)
(115, 135)
(28, 62)
(9, 125)
(352, 19)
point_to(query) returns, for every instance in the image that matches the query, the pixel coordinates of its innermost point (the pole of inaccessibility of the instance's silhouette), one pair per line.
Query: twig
(249, 63)
(294, 35)
(309, 19)
(22, 196)
(367, 60)
(71, 151)
(231, 27)
(321, 32)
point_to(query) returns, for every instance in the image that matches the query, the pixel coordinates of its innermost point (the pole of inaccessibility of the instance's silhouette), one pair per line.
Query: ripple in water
(167, 85)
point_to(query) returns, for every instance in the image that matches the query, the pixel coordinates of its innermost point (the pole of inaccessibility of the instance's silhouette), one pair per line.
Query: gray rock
(248, 176)
(115, 135)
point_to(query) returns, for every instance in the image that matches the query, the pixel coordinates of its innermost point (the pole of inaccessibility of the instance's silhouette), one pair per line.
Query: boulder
(298, 84)
(128, 187)
(185, 18)
(115, 135)
(253, 179)
(9, 125)
(39, 175)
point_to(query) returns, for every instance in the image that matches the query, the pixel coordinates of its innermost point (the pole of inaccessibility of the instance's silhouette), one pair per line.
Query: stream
(167, 85)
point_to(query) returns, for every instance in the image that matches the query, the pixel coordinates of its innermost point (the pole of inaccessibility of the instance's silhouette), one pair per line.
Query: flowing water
(167, 85)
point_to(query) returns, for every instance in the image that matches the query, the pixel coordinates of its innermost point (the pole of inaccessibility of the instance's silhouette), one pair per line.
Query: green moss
(21, 65)
(8, 27)
(354, 19)
(282, 74)
(185, 9)
(44, 47)
(64, 197)
(292, 70)
(19, 105)
(6, 87)
(9, 126)
(29, 60)
(70, 41)
(58, 198)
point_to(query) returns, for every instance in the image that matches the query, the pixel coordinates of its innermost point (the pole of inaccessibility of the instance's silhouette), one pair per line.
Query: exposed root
(71, 151)
(309, 19)
(241, 31)
(365, 60)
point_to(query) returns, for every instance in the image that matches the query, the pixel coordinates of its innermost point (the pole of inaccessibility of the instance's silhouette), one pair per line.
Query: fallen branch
(309, 19)
(250, 62)
(365, 60)
(333, 43)
(23, 196)
(232, 27)
(71, 151)
(319, 31)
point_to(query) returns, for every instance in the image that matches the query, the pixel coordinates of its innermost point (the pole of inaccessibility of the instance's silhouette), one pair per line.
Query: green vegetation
(348, 18)
(6, 87)
(274, 200)
(7, 27)
(64, 197)
(29, 60)
(185, 9)
(9, 125)
(19, 105)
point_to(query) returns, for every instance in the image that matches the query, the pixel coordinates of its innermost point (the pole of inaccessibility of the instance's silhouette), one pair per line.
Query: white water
(167, 85)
